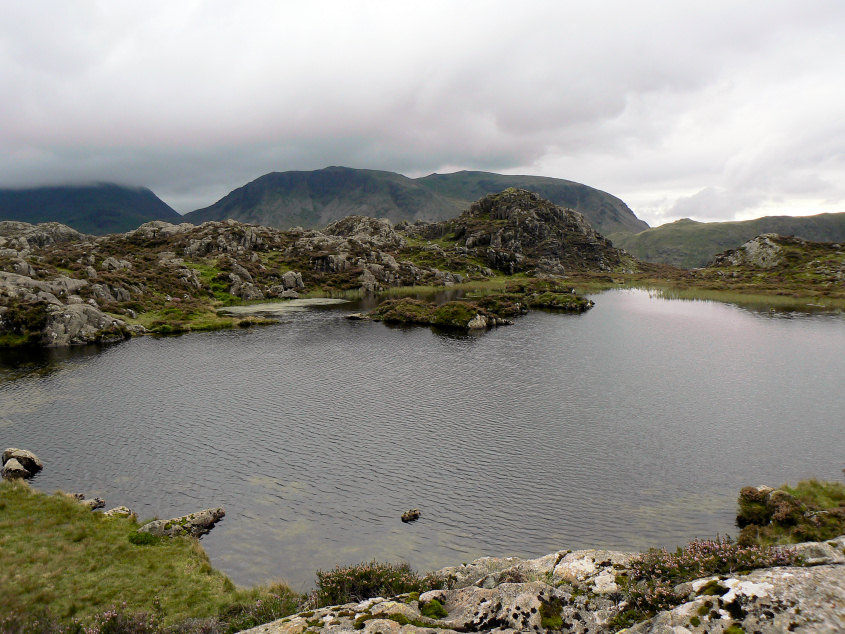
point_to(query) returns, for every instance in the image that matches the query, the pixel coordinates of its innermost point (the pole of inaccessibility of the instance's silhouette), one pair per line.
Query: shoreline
(593, 589)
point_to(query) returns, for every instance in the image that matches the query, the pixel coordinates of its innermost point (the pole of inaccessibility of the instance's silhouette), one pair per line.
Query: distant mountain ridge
(315, 198)
(690, 244)
(97, 209)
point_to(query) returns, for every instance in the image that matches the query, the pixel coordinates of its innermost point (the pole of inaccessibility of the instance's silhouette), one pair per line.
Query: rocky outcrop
(770, 600)
(762, 252)
(517, 230)
(93, 504)
(23, 236)
(59, 287)
(195, 524)
(76, 324)
(578, 592)
(372, 233)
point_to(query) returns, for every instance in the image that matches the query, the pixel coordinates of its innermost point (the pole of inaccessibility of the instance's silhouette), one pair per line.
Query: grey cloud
(692, 107)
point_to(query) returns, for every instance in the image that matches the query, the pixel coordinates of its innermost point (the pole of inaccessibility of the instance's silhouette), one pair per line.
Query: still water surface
(629, 426)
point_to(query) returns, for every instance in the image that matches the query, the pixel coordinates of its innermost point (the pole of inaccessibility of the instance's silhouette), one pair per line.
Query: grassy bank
(62, 564)
(809, 511)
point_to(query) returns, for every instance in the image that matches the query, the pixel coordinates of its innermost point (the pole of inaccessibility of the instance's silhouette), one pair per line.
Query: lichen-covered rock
(27, 459)
(371, 232)
(195, 524)
(761, 252)
(120, 511)
(766, 601)
(818, 553)
(76, 324)
(571, 592)
(479, 322)
(23, 236)
(595, 570)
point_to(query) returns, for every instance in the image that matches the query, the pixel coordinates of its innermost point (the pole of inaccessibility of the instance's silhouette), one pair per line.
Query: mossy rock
(433, 609)
(454, 314)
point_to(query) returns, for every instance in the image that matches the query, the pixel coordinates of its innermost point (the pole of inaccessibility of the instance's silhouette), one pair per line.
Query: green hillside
(315, 198)
(690, 244)
(604, 212)
(97, 209)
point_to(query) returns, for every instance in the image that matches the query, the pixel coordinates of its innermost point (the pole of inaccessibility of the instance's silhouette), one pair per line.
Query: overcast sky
(714, 110)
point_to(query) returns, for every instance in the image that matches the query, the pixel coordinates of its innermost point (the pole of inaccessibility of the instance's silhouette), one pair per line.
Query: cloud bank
(715, 110)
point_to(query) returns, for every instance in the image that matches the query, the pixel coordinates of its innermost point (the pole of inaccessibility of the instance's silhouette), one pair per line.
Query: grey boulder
(27, 459)
(14, 469)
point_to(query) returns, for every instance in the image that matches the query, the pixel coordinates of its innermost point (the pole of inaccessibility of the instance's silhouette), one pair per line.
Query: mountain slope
(311, 199)
(688, 244)
(97, 209)
(604, 212)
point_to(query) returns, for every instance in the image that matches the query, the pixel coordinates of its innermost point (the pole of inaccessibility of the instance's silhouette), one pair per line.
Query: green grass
(346, 584)
(818, 494)
(65, 560)
(812, 510)
(758, 300)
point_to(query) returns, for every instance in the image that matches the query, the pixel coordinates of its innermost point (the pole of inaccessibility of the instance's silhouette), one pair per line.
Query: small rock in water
(358, 316)
(195, 524)
(14, 469)
(411, 516)
(26, 459)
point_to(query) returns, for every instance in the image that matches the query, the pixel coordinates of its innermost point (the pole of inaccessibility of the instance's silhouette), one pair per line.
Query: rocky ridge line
(59, 287)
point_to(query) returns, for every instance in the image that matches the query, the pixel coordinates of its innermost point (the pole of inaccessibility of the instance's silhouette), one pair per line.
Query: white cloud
(711, 109)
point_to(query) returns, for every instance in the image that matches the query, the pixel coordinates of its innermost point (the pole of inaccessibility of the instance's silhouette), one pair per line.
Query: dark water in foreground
(632, 425)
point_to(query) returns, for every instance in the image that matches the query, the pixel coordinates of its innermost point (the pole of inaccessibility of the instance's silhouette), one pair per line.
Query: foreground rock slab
(576, 592)
(769, 600)
(195, 524)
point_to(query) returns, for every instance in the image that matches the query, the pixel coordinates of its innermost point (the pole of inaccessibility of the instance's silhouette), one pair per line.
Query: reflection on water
(634, 424)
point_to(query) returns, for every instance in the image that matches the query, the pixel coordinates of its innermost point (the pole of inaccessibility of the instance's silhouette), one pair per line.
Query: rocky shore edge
(708, 586)
(580, 592)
